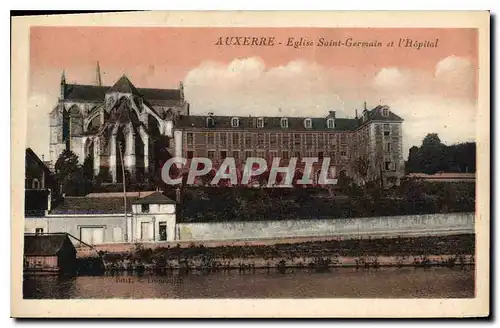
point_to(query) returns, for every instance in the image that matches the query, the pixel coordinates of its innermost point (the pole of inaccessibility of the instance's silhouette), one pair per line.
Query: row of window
(273, 139)
(235, 122)
(212, 154)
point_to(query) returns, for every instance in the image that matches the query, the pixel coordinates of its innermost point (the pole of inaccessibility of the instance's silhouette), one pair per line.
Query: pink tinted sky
(421, 85)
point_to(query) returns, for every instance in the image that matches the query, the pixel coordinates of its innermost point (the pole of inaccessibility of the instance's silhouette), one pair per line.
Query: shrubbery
(249, 204)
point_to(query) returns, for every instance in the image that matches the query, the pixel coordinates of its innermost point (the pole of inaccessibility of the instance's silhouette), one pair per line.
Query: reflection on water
(436, 282)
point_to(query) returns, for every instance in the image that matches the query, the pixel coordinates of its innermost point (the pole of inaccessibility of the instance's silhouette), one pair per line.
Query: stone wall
(407, 225)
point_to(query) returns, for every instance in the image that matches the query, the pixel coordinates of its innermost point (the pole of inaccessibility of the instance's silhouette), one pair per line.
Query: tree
(433, 156)
(69, 174)
(362, 167)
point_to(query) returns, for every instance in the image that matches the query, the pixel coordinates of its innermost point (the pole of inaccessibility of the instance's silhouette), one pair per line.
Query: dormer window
(235, 122)
(284, 122)
(307, 123)
(330, 123)
(260, 122)
(210, 122)
(385, 111)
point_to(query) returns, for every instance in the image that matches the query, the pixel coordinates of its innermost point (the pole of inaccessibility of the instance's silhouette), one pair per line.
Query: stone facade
(115, 125)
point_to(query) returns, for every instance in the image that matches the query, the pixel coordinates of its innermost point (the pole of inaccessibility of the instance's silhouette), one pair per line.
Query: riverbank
(360, 253)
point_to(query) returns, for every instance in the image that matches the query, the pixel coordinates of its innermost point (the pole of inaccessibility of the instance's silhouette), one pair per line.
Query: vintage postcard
(273, 164)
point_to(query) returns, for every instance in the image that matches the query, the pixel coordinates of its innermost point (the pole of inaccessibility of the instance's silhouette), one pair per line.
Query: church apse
(95, 120)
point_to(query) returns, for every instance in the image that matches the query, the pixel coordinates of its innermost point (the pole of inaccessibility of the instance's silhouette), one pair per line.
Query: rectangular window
(223, 154)
(320, 155)
(260, 140)
(388, 147)
(385, 112)
(387, 133)
(145, 208)
(248, 140)
(211, 154)
(285, 138)
(236, 155)
(343, 153)
(297, 155)
(285, 154)
(309, 139)
(248, 153)
(211, 138)
(296, 139)
(223, 139)
(190, 154)
(236, 139)
(273, 139)
(260, 122)
(261, 154)
(387, 166)
(189, 137)
(38, 231)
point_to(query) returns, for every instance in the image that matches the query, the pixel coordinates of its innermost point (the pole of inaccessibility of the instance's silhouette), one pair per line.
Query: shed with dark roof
(50, 252)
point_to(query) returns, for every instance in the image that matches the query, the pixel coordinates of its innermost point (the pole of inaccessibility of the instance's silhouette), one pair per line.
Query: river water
(407, 282)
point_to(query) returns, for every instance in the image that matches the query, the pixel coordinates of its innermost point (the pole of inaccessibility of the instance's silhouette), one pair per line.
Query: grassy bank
(416, 251)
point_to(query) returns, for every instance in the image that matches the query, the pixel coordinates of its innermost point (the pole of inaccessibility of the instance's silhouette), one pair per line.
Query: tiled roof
(154, 198)
(294, 123)
(43, 245)
(92, 205)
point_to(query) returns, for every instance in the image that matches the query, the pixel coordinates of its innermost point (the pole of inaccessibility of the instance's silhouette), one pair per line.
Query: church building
(115, 125)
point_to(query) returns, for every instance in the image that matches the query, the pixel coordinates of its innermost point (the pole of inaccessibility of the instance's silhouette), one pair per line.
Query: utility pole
(124, 189)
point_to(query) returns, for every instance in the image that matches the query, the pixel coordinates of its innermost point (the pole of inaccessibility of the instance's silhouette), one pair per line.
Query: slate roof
(375, 114)
(30, 156)
(294, 123)
(124, 85)
(94, 93)
(92, 205)
(154, 198)
(44, 245)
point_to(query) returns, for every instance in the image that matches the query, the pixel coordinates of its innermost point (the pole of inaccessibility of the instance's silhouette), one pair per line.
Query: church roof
(92, 93)
(124, 85)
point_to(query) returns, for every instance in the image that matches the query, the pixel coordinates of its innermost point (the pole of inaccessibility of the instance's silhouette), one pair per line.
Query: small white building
(102, 219)
(154, 218)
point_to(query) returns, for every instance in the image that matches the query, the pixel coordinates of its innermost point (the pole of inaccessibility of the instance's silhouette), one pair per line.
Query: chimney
(356, 112)
(365, 105)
